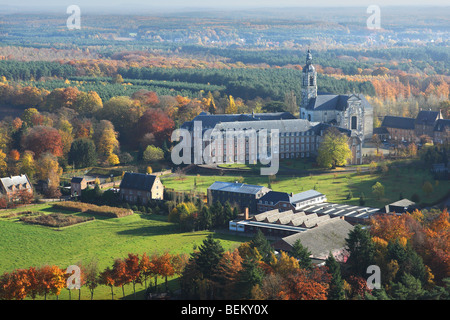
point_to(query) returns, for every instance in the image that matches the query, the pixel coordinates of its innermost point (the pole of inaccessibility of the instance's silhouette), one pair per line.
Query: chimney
(291, 194)
(246, 215)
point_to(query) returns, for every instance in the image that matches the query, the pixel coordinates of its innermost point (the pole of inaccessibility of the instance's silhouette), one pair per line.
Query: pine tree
(261, 243)
(210, 253)
(361, 249)
(249, 276)
(302, 254)
(336, 291)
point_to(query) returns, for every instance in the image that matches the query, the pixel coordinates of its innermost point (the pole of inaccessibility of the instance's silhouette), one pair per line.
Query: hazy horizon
(31, 5)
(177, 6)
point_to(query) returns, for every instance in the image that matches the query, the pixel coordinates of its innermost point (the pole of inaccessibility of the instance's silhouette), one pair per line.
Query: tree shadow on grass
(149, 231)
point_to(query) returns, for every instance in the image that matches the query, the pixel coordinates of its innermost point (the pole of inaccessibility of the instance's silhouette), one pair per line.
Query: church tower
(309, 84)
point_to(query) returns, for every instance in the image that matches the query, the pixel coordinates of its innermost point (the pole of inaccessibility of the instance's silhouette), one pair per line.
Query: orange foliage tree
(305, 285)
(390, 227)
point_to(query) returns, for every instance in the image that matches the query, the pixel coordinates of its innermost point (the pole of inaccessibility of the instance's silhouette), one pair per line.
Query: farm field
(401, 181)
(104, 239)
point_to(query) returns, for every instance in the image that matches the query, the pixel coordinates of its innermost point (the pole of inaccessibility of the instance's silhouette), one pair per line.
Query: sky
(228, 3)
(168, 6)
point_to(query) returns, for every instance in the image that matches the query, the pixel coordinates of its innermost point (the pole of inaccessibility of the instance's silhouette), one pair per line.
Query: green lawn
(403, 181)
(23, 245)
(105, 239)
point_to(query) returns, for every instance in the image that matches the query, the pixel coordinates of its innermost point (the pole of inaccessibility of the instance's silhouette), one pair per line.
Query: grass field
(104, 239)
(403, 181)
(23, 245)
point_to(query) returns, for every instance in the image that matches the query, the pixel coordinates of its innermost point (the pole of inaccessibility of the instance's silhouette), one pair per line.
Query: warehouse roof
(276, 196)
(321, 240)
(341, 210)
(236, 187)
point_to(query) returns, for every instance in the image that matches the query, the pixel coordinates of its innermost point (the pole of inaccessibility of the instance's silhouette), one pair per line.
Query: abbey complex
(298, 137)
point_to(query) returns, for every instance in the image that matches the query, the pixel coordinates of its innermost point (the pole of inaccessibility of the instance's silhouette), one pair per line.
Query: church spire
(308, 58)
(309, 84)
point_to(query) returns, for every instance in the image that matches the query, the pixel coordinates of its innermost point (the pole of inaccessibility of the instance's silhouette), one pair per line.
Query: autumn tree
(30, 96)
(146, 267)
(357, 287)
(154, 267)
(106, 140)
(82, 128)
(59, 98)
(41, 139)
(14, 155)
(48, 169)
(91, 277)
(124, 113)
(225, 275)
(14, 285)
(284, 264)
(27, 116)
(3, 163)
(107, 278)
(87, 103)
(436, 251)
(333, 150)
(179, 262)
(147, 98)
(121, 277)
(157, 123)
(51, 280)
(112, 159)
(133, 270)
(304, 285)
(165, 268)
(390, 227)
(27, 164)
(117, 79)
(33, 282)
(230, 107)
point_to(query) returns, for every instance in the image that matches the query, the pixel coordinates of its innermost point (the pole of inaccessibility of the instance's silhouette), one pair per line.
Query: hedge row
(112, 212)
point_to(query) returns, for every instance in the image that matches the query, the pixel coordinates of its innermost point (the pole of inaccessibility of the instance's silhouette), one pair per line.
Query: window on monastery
(354, 122)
